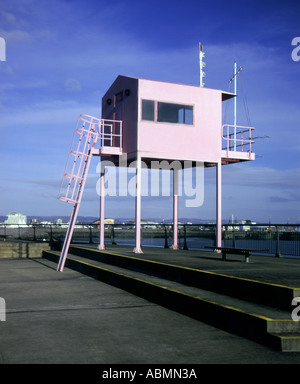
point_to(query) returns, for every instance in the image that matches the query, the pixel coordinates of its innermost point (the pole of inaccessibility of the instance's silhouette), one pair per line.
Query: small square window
(148, 110)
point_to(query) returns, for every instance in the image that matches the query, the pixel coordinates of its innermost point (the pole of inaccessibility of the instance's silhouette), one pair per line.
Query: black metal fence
(278, 239)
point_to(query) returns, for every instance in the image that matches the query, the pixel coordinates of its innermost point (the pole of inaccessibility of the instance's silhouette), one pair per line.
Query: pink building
(154, 120)
(171, 121)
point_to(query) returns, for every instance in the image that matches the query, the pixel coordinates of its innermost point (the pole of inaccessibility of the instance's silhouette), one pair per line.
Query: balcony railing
(237, 138)
(111, 133)
(91, 136)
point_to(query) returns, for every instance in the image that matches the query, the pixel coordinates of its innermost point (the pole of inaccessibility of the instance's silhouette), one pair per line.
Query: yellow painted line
(288, 337)
(187, 268)
(174, 290)
(181, 293)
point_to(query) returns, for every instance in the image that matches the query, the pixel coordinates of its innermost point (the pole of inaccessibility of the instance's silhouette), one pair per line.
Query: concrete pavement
(67, 317)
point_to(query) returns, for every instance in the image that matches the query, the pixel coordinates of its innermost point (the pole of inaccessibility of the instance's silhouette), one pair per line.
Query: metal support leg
(219, 205)
(102, 205)
(138, 248)
(175, 209)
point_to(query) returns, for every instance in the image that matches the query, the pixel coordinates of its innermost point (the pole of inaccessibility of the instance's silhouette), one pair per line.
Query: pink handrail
(237, 137)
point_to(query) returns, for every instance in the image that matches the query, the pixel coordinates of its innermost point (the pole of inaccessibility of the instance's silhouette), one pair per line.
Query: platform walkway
(276, 270)
(69, 317)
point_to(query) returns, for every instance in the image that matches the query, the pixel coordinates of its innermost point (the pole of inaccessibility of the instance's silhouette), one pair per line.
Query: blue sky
(62, 55)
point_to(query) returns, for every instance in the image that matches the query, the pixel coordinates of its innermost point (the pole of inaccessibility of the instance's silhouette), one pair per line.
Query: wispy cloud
(255, 176)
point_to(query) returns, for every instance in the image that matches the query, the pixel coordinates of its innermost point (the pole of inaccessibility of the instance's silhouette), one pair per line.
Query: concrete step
(273, 295)
(260, 323)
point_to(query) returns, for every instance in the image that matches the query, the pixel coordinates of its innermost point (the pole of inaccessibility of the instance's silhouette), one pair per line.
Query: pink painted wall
(198, 142)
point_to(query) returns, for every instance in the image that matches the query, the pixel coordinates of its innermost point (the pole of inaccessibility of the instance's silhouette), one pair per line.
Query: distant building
(15, 218)
(106, 221)
(60, 223)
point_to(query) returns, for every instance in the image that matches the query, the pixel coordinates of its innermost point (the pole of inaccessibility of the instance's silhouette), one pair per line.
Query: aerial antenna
(235, 89)
(201, 64)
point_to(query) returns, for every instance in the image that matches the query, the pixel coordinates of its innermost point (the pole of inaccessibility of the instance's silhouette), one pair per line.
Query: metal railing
(278, 239)
(89, 132)
(237, 137)
(111, 133)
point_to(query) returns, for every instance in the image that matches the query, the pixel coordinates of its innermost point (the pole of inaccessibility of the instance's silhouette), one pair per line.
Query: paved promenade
(269, 269)
(67, 317)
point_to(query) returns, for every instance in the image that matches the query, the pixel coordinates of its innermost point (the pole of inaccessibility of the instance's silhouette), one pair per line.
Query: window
(167, 112)
(174, 113)
(148, 110)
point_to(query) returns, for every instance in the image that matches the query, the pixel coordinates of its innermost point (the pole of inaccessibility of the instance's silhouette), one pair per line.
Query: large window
(175, 113)
(167, 112)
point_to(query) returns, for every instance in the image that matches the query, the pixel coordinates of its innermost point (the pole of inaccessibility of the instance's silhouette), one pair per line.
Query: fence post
(34, 235)
(184, 241)
(112, 235)
(91, 235)
(216, 236)
(277, 254)
(233, 237)
(166, 237)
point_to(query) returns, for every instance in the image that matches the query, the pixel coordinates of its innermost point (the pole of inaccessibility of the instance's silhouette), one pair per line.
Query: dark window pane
(148, 110)
(174, 113)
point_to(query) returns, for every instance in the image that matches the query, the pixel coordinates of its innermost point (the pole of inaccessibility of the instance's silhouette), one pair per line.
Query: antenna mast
(201, 64)
(234, 78)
